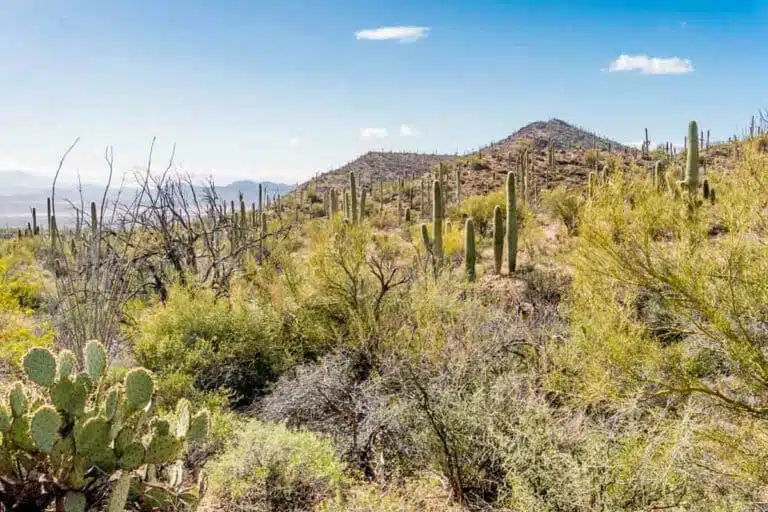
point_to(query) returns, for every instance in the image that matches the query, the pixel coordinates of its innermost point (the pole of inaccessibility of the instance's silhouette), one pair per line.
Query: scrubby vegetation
(443, 346)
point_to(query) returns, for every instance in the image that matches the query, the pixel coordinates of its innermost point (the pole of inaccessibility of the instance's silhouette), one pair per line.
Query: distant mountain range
(21, 191)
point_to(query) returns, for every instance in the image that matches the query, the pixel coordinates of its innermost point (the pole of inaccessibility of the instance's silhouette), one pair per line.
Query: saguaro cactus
(48, 209)
(498, 239)
(34, 222)
(362, 204)
(592, 184)
(458, 187)
(658, 176)
(334, 202)
(353, 197)
(469, 250)
(437, 221)
(692, 164)
(511, 224)
(94, 218)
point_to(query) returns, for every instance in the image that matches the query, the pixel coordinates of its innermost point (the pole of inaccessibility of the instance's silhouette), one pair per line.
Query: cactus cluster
(70, 432)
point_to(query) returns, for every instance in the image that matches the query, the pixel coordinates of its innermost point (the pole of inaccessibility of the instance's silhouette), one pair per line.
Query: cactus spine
(469, 250)
(437, 221)
(498, 239)
(511, 224)
(692, 163)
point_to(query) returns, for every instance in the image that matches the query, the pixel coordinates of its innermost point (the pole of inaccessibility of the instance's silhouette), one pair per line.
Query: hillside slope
(382, 166)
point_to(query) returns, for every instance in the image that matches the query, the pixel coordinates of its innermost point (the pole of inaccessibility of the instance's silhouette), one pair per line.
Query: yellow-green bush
(196, 341)
(669, 301)
(273, 468)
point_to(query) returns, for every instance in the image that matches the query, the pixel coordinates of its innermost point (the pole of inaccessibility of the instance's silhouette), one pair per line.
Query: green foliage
(276, 469)
(73, 447)
(481, 208)
(666, 305)
(199, 342)
(565, 205)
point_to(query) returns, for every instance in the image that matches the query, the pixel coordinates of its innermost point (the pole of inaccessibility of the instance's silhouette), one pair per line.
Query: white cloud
(295, 141)
(651, 65)
(378, 133)
(408, 131)
(402, 34)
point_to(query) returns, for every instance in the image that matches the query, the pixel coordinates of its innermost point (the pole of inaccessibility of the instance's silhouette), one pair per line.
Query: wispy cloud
(295, 141)
(408, 131)
(378, 133)
(402, 34)
(651, 65)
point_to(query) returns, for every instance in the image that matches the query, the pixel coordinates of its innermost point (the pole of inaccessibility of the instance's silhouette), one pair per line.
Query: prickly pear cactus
(66, 436)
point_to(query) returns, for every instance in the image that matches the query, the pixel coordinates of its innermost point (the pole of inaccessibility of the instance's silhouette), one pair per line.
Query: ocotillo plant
(469, 250)
(498, 239)
(437, 222)
(353, 197)
(692, 163)
(511, 224)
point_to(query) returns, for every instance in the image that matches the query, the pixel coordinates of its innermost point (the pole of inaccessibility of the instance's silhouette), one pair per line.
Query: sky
(280, 89)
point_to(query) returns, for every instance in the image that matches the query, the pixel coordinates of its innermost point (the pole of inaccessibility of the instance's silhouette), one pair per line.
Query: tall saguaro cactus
(437, 221)
(498, 239)
(48, 209)
(353, 197)
(511, 224)
(692, 164)
(362, 204)
(34, 222)
(458, 187)
(469, 250)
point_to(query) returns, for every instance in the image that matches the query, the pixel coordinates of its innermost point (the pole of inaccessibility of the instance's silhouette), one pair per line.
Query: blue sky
(279, 89)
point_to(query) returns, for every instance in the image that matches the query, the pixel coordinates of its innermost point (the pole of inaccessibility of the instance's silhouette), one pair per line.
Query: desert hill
(485, 168)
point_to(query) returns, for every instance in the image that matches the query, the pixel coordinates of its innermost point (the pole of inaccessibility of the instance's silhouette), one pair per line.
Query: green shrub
(196, 341)
(272, 468)
(565, 205)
